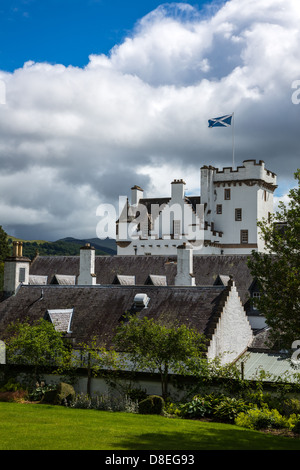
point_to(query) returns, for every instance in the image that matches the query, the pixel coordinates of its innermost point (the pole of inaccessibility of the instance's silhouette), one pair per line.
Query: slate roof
(97, 310)
(207, 268)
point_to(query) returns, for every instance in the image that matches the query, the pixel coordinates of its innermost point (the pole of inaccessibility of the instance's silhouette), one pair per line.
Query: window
(227, 194)
(238, 215)
(219, 208)
(22, 275)
(265, 195)
(255, 296)
(244, 236)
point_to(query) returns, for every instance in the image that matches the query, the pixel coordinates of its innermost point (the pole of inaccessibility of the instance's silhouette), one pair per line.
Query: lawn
(43, 427)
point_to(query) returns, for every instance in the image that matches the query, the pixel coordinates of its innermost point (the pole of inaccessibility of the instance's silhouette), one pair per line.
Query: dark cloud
(72, 139)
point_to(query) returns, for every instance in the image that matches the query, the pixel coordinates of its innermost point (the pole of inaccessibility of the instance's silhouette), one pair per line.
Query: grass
(43, 427)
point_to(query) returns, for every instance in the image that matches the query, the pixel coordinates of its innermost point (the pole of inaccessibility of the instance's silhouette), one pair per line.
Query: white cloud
(73, 138)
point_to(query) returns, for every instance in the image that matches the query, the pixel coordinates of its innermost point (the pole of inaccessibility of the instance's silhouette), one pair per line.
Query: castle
(223, 220)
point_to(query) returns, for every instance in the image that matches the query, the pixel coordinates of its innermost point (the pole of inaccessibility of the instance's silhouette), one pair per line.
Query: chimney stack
(136, 194)
(87, 276)
(177, 190)
(16, 270)
(185, 276)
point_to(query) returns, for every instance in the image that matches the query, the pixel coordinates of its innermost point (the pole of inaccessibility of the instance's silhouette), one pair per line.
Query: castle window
(238, 215)
(244, 236)
(219, 208)
(227, 194)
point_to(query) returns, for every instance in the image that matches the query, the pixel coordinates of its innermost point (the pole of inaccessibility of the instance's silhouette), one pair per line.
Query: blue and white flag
(223, 121)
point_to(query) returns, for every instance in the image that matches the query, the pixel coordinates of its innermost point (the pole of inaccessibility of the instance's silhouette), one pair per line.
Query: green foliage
(57, 248)
(137, 394)
(11, 386)
(37, 344)
(39, 392)
(4, 252)
(296, 427)
(264, 418)
(63, 393)
(155, 347)
(152, 405)
(216, 406)
(277, 270)
(229, 408)
(196, 408)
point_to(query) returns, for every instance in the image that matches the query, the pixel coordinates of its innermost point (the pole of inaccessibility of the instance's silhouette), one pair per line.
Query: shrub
(137, 394)
(38, 393)
(263, 418)
(229, 408)
(172, 408)
(289, 406)
(153, 405)
(12, 386)
(105, 403)
(296, 427)
(60, 395)
(197, 408)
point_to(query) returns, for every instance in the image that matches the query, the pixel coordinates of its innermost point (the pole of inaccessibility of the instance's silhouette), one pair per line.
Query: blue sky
(66, 31)
(98, 96)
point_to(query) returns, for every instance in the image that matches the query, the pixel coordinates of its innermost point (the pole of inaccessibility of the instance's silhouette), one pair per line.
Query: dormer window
(256, 297)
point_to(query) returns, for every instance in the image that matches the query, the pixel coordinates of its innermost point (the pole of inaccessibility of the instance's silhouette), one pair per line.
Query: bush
(172, 408)
(63, 393)
(104, 403)
(229, 408)
(288, 406)
(12, 386)
(263, 418)
(197, 408)
(296, 427)
(153, 405)
(137, 394)
(38, 393)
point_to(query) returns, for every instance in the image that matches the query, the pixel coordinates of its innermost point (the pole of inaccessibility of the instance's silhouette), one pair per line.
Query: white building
(223, 220)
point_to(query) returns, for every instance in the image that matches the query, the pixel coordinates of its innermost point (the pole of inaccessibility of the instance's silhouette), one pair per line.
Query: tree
(4, 252)
(38, 345)
(157, 348)
(277, 270)
(98, 361)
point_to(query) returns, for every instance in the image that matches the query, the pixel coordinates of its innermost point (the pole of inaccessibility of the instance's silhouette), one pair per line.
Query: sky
(99, 95)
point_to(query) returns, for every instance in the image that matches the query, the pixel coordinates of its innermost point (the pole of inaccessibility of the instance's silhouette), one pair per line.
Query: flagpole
(233, 143)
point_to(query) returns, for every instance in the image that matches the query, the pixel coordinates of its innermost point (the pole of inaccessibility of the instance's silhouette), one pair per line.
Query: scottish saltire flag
(223, 121)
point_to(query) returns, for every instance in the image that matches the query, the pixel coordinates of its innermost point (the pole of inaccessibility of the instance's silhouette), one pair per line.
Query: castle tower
(235, 200)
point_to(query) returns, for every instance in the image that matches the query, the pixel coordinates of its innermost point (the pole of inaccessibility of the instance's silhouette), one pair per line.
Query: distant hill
(65, 247)
(108, 245)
